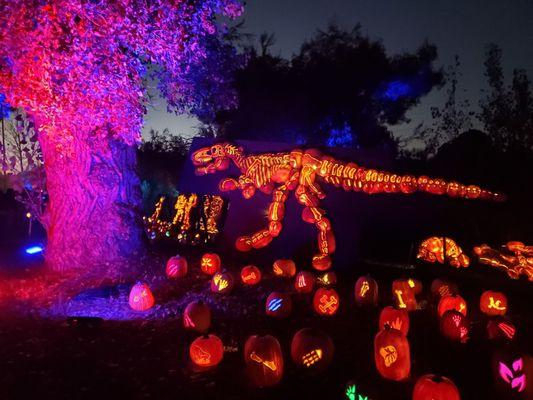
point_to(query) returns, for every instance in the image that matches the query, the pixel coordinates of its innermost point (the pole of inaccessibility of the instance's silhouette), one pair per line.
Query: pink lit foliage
(78, 68)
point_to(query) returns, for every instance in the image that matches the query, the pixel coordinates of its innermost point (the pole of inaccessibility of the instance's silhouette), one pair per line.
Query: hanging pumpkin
(312, 349)
(141, 297)
(327, 279)
(176, 267)
(326, 301)
(278, 305)
(396, 319)
(304, 282)
(500, 328)
(250, 275)
(264, 360)
(493, 303)
(222, 282)
(435, 387)
(454, 326)
(197, 316)
(454, 302)
(392, 354)
(366, 291)
(442, 287)
(210, 263)
(404, 294)
(206, 351)
(285, 268)
(510, 370)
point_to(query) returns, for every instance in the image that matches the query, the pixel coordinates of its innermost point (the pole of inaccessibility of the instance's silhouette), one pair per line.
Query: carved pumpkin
(284, 268)
(493, 303)
(396, 319)
(206, 351)
(141, 297)
(312, 349)
(278, 305)
(176, 267)
(222, 282)
(435, 387)
(323, 262)
(442, 287)
(454, 302)
(403, 292)
(210, 263)
(500, 328)
(326, 301)
(366, 291)
(510, 370)
(264, 360)
(304, 282)
(392, 354)
(250, 275)
(454, 326)
(197, 316)
(327, 279)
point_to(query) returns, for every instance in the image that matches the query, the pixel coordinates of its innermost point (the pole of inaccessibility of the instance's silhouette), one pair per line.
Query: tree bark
(93, 213)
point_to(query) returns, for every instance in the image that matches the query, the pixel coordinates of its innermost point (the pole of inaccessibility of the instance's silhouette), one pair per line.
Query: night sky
(460, 27)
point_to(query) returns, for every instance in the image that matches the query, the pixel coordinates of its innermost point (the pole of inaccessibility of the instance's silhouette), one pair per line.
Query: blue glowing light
(340, 137)
(397, 89)
(34, 249)
(274, 304)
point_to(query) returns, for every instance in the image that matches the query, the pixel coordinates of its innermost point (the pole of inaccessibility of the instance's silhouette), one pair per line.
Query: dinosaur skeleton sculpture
(515, 258)
(278, 174)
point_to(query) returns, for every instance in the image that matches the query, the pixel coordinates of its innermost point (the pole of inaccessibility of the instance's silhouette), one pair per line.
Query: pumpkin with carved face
(396, 319)
(264, 360)
(176, 267)
(392, 354)
(493, 303)
(250, 275)
(141, 297)
(197, 316)
(222, 282)
(455, 326)
(366, 291)
(206, 351)
(210, 263)
(435, 387)
(312, 349)
(454, 302)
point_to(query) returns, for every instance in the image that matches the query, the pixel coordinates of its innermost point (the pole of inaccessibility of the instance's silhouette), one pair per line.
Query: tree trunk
(92, 217)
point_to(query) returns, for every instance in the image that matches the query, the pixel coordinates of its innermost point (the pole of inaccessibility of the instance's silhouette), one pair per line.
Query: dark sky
(460, 27)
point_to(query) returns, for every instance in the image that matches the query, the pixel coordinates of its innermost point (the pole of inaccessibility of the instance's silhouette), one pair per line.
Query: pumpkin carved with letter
(493, 303)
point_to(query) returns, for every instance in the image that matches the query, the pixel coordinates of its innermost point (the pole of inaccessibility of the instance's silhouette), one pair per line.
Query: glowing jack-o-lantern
(327, 279)
(403, 292)
(210, 263)
(510, 370)
(500, 328)
(222, 282)
(366, 291)
(326, 301)
(278, 305)
(176, 267)
(396, 319)
(250, 275)
(206, 351)
(304, 282)
(264, 360)
(493, 303)
(454, 326)
(284, 268)
(312, 349)
(197, 316)
(435, 387)
(141, 297)
(454, 302)
(442, 287)
(392, 354)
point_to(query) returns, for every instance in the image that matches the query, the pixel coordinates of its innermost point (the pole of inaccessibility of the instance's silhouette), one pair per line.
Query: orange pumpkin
(176, 267)
(141, 297)
(435, 387)
(404, 294)
(500, 328)
(222, 282)
(323, 262)
(396, 319)
(304, 282)
(392, 354)
(442, 287)
(278, 305)
(454, 302)
(326, 301)
(250, 275)
(206, 351)
(327, 279)
(312, 349)
(210, 263)
(197, 316)
(264, 360)
(284, 268)
(454, 326)
(366, 291)
(493, 303)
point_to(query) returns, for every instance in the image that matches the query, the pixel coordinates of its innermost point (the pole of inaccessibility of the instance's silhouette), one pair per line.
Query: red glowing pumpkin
(210, 263)
(264, 360)
(176, 267)
(454, 302)
(284, 268)
(392, 354)
(197, 316)
(141, 297)
(250, 275)
(500, 328)
(304, 282)
(366, 291)
(326, 301)
(206, 351)
(278, 305)
(323, 262)
(312, 349)
(454, 326)
(403, 292)
(435, 387)
(396, 319)
(442, 287)
(222, 282)
(493, 303)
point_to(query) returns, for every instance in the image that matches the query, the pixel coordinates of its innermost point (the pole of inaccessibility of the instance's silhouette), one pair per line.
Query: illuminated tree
(77, 68)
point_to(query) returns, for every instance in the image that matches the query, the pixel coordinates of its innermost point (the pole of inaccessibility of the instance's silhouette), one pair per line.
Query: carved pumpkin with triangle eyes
(141, 297)
(264, 360)
(392, 354)
(435, 387)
